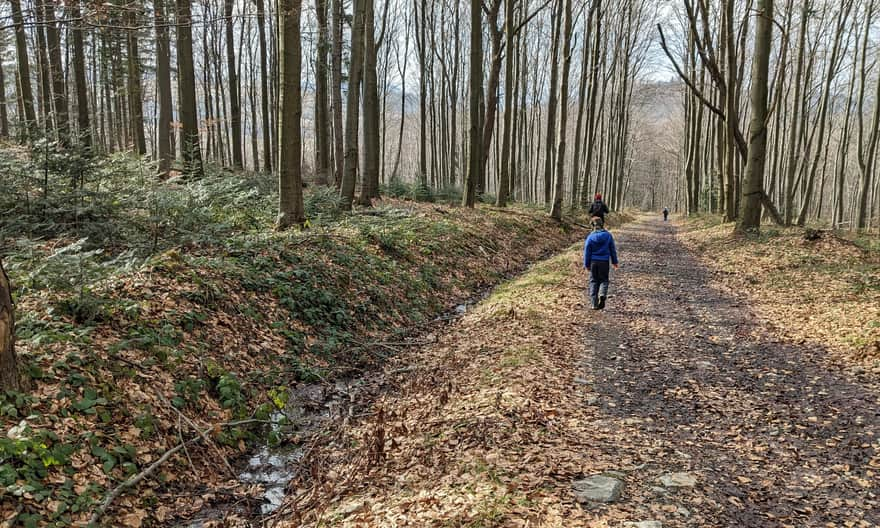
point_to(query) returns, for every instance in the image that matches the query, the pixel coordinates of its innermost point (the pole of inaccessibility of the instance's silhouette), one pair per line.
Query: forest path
(773, 433)
(679, 408)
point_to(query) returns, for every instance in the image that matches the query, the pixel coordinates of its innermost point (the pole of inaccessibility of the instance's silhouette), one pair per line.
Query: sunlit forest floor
(710, 392)
(354, 373)
(158, 318)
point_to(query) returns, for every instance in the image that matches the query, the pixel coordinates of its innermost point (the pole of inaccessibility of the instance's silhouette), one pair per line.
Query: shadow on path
(776, 434)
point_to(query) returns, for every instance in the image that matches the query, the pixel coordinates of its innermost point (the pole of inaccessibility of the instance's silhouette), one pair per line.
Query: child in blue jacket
(600, 255)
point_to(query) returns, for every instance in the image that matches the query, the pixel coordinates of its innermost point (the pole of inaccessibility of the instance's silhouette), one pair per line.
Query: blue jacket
(599, 246)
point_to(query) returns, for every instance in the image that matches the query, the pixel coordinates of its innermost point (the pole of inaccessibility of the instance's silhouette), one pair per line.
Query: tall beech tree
(186, 84)
(753, 179)
(232, 80)
(165, 138)
(135, 90)
(475, 158)
(323, 141)
(352, 109)
(291, 211)
(23, 83)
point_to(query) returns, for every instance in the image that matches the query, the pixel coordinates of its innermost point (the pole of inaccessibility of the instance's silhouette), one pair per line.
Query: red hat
(598, 196)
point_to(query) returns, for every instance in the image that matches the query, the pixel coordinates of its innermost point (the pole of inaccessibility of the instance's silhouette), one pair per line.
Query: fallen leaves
(194, 316)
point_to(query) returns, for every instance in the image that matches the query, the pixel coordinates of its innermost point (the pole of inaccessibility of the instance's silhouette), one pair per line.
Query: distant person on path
(600, 255)
(598, 208)
(665, 214)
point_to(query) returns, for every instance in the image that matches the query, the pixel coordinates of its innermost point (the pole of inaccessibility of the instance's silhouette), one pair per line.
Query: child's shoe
(601, 305)
(594, 303)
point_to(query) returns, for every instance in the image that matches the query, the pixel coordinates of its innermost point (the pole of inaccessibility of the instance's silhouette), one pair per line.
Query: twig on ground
(185, 450)
(135, 479)
(204, 436)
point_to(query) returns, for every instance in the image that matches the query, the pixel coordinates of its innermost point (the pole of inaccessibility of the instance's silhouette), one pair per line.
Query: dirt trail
(774, 434)
(531, 391)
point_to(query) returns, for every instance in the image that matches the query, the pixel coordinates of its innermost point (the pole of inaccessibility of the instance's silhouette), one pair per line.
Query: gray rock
(581, 381)
(678, 480)
(591, 399)
(684, 512)
(643, 524)
(598, 488)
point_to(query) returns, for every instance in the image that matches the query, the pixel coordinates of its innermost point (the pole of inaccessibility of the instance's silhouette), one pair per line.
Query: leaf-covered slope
(812, 286)
(127, 368)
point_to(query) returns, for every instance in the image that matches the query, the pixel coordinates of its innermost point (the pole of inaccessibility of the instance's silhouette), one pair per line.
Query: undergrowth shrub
(416, 191)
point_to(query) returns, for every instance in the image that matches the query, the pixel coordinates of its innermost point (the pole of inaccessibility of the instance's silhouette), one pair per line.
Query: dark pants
(599, 278)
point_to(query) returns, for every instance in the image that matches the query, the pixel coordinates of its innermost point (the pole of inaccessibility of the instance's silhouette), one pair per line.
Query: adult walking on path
(598, 207)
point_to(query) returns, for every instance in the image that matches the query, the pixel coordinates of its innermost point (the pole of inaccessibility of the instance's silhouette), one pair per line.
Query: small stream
(272, 467)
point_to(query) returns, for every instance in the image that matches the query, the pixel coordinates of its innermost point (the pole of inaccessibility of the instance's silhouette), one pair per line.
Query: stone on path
(643, 524)
(678, 480)
(598, 488)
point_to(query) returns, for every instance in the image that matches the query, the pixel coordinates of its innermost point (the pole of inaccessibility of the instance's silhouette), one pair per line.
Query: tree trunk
(559, 189)
(798, 123)
(79, 72)
(322, 98)
(491, 89)
(45, 100)
(732, 119)
(135, 94)
(866, 153)
(186, 82)
(165, 139)
(290, 205)
(59, 93)
(234, 99)
(9, 375)
(592, 123)
(401, 68)
(552, 103)
(24, 72)
(336, 82)
(843, 151)
(370, 177)
(352, 110)
(421, 43)
(509, 106)
(4, 117)
(264, 88)
(475, 158)
(753, 184)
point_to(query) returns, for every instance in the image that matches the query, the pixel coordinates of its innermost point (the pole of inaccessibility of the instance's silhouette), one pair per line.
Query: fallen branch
(135, 479)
